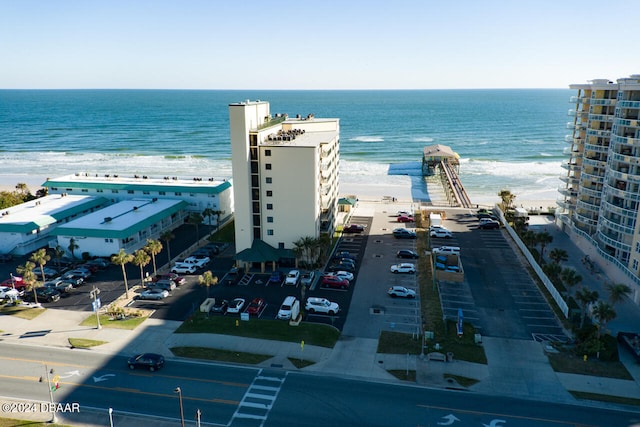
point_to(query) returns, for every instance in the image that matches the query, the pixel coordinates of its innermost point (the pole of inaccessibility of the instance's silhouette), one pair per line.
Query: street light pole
(179, 391)
(96, 304)
(111, 417)
(53, 408)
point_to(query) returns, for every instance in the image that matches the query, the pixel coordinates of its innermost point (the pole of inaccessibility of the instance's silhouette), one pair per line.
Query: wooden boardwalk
(456, 193)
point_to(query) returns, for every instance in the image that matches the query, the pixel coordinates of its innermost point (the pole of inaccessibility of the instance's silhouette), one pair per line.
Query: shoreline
(405, 189)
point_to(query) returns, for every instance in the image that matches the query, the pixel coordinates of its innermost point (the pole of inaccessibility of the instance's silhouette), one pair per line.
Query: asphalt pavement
(516, 367)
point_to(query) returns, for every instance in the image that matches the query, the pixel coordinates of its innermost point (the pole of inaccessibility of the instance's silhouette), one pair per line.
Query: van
(446, 250)
(290, 308)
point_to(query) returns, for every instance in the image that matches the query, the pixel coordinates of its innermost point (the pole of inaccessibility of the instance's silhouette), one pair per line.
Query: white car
(292, 278)
(321, 305)
(403, 213)
(7, 292)
(184, 269)
(235, 306)
(343, 275)
(440, 233)
(437, 227)
(404, 267)
(401, 291)
(446, 250)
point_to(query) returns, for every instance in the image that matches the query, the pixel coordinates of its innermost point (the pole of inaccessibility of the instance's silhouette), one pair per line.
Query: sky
(328, 44)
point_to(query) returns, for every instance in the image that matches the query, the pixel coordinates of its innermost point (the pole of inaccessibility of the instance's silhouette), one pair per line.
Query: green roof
(156, 217)
(133, 186)
(263, 252)
(52, 218)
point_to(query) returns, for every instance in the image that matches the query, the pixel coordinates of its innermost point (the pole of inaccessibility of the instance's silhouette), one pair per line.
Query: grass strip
(206, 353)
(275, 330)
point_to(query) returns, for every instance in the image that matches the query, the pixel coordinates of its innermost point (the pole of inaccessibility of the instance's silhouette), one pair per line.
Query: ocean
(507, 139)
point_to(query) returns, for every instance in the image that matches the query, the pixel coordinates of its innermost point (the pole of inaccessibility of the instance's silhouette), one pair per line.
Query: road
(240, 396)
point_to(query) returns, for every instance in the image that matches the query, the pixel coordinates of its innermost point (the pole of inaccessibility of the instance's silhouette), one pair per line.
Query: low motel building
(199, 193)
(124, 225)
(29, 226)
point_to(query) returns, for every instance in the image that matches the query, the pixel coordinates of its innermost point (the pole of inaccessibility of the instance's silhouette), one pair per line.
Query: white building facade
(124, 225)
(285, 175)
(600, 203)
(28, 226)
(199, 193)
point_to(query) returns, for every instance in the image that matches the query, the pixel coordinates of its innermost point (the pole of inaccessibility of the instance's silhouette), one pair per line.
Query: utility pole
(96, 304)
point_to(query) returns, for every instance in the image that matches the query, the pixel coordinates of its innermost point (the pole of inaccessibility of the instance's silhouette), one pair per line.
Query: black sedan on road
(150, 361)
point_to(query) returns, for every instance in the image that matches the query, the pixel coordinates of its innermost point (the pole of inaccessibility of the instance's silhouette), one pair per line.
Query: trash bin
(449, 357)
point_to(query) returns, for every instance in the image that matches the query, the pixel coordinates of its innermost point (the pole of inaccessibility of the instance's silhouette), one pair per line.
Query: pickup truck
(198, 262)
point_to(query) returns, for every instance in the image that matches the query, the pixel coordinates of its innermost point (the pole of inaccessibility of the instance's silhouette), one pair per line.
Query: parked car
(341, 267)
(441, 233)
(178, 280)
(289, 309)
(255, 306)
(405, 218)
(91, 268)
(154, 294)
(165, 284)
(235, 306)
(344, 254)
(75, 279)
(486, 215)
(276, 277)
(15, 282)
(401, 291)
(489, 225)
(219, 306)
(353, 228)
(150, 361)
(184, 269)
(100, 262)
(48, 272)
(349, 261)
(437, 227)
(7, 292)
(343, 275)
(446, 250)
(292, 278)
(403, 213)
(404, 267)
(321, 305)
(307, 277)
(198, 262)
(330, 281)
(403, 233)
(59, 285)
(406, 253)
(79, 272)
(44, 294)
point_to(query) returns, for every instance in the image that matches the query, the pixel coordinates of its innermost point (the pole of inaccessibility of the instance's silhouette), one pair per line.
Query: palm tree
(543, 239)
(168, 236)
(40, 257)
(507, 199)
(603, 312)
(570, 278)
(195, 219)
(153, 248)
(29, 277)
(558, 255)
(72, 246)
(529, 238)
(141, 258)
(552, 270)
(585, 297)
(58, 252)
(208, 213)
(207, 279)
(617, 292)
(305, 248)
(122, 258)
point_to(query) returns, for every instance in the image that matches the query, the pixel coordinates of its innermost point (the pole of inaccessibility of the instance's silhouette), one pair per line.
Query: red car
(16, 282)
(255, 306)
(353, 228)
(330, 281)
(178, 280)
(405, 218)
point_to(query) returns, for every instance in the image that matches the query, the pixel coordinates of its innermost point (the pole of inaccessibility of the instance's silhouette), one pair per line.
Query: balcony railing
(629, 104)
(615, 226)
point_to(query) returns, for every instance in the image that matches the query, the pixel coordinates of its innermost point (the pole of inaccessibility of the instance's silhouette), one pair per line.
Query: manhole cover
(377, 256)
(377, 241)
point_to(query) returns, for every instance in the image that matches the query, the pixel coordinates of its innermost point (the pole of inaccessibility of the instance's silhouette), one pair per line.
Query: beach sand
(403, 189)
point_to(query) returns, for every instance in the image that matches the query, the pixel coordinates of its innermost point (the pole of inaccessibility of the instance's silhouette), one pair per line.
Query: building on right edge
(599, 206)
